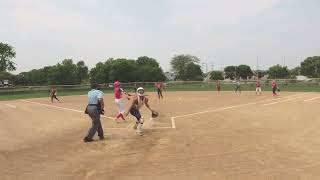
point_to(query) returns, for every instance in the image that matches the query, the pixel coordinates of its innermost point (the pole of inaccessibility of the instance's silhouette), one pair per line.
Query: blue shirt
(94, 96)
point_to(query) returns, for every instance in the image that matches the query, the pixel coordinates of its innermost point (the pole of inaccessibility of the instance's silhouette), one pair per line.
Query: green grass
(26, 94)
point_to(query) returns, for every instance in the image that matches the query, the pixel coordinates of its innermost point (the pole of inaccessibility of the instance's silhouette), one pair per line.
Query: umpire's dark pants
(94, 114)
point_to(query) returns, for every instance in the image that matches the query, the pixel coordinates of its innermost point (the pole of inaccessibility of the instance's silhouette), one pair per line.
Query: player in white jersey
(138, 101)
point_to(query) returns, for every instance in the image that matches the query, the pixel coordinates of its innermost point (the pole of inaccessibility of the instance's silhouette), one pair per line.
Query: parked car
(5, 84)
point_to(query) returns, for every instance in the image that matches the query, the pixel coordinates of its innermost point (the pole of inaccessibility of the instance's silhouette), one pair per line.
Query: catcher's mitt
(154, 114)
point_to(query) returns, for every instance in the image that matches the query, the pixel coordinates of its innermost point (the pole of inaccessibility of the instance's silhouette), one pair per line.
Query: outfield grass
(12, 95)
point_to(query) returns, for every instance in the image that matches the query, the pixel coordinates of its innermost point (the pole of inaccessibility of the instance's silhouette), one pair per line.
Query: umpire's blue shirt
(94, 96)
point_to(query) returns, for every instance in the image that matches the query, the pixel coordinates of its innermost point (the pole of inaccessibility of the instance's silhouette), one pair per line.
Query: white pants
(120, 105)
(258, 89)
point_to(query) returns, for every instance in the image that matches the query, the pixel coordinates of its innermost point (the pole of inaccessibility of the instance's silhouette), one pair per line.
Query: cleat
(86, 140)
(135, 126)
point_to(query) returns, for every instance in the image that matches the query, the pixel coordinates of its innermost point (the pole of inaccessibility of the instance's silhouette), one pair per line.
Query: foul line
(78, 111)
(229, 107)
(173, 123)
(311, 99)
(58, 107)
(268, 104)
(9, 105)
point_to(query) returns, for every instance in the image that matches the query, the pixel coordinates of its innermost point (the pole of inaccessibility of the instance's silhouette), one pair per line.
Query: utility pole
(202, 66)
(206, 67)
(257, 67)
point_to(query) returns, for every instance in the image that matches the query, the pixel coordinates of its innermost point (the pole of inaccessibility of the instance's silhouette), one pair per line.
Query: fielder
(258, 87)
(274, 87)
(138, 101)
(54, 93)
(238, 87)
(218, 86)
(160, 86)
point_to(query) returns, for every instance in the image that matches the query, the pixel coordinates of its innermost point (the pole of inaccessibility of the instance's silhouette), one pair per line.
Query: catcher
(138, 101)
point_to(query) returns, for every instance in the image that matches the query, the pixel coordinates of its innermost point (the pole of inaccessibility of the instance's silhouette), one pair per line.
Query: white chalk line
(78, 111)
(11, 106)
(290, 99)
(308, 100)
(229, 107)
(173, 124)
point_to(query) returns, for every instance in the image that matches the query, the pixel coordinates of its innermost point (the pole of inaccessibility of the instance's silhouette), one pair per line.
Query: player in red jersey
(160, 86)
(274, 86)
(258, 87)
(118, 92)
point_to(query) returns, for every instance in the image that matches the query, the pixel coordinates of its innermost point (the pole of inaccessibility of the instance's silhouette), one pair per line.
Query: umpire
(94, 109)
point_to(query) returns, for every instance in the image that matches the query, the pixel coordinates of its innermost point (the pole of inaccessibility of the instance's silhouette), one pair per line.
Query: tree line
(143, 69)
(310, 67)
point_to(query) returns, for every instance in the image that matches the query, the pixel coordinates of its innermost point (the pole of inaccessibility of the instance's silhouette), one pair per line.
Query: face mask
(140, 94)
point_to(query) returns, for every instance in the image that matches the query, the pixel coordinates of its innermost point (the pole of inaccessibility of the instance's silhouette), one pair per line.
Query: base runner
(118, 92)
(138, 101)
(258, 87)
(54, 93)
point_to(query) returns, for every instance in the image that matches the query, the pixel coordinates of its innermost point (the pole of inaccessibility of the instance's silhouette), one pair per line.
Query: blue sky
(221, 33)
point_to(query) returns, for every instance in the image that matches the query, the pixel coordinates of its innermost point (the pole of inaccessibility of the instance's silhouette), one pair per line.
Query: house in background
(170, 76)
(302, 78)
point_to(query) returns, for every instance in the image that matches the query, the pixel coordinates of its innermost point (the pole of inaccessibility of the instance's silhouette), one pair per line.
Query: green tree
(6, 54)
(244, 71)
(216, 75)
(81, 72)
(123, 70)
(100, 73)
(293, 73)
(193, 72)
(311, 67)
(230, 72)
(7, 76)
(64, 73)
(261, 73)
(22, 78)
(147, 61)
(37, 77)
(277, 71)
(127, 70)
(149, 70)
(179, 65)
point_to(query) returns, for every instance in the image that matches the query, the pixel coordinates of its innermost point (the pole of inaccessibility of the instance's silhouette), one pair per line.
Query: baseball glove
(154, 114)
